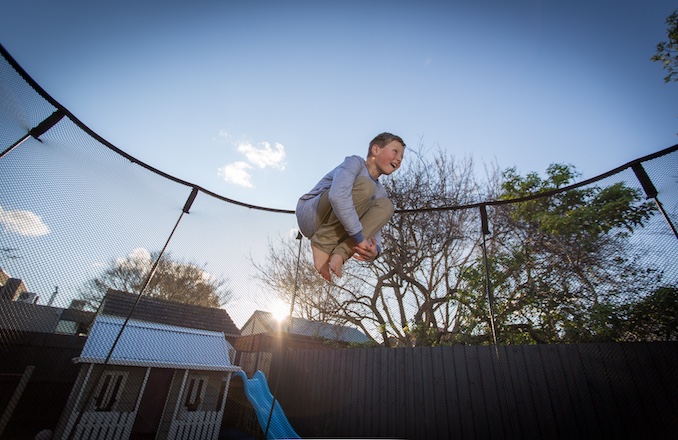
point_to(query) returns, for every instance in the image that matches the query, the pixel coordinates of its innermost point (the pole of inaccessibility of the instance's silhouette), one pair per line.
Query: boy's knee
(386, 205)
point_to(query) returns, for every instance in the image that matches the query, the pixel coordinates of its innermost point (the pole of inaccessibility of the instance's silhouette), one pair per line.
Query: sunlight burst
(279, 310)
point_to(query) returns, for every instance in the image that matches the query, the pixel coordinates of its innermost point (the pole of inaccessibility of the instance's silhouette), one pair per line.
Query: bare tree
(409, 295)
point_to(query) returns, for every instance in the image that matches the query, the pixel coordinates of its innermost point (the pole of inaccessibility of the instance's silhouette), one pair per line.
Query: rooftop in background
(4, 276)
(264, 322)
(117, 303)
(29, 317)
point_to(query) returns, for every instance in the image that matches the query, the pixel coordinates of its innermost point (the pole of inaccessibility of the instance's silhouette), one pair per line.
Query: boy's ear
(374, 149)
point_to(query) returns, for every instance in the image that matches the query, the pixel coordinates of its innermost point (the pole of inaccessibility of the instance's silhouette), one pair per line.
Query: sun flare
(279, 310)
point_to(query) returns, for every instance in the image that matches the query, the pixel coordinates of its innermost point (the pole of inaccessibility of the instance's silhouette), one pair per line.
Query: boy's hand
(366, 250)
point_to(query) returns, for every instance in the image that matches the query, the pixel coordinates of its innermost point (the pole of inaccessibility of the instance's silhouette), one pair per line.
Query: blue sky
(257, 100)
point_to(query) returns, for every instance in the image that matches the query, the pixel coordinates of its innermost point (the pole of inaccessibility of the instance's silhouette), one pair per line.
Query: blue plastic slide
(260, 397)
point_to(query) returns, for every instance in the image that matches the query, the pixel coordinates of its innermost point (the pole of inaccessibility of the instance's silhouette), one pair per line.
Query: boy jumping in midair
(344, 213)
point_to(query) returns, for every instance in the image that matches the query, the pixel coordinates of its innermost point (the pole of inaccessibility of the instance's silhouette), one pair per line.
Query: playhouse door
(152, 403)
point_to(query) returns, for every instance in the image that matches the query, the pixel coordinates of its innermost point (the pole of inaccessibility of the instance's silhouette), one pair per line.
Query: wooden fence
(596, 391)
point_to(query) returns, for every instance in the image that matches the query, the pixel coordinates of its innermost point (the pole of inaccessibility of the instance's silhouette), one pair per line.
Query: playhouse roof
(148, 344)
(117, 303)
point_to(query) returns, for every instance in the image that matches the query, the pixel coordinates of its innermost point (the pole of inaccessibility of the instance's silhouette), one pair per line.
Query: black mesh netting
(131, 302)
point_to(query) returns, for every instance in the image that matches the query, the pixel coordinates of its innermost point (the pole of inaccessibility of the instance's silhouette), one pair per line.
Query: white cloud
(24, 223)
(236, 173)
(222, 137)
(264, 156)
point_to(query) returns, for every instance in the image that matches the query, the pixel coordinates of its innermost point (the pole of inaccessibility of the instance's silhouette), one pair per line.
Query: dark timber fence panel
(611, 390)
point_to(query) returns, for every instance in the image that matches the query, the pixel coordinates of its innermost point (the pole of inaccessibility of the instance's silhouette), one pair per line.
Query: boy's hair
(382, 139)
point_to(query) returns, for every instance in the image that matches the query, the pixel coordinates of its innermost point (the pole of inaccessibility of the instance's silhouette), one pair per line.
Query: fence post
(185, 210)
(18, 391)
(651, 192)
(285, 336)
(488, 287)
(485, 229)
(38, 130)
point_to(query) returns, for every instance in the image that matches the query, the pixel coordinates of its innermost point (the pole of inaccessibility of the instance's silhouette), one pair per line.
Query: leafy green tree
(667, 51)
(655, 317)
(560, 266)
(173, 280)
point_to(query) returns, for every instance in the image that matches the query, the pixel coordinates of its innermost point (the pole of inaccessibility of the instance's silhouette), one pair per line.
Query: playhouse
(159, 378)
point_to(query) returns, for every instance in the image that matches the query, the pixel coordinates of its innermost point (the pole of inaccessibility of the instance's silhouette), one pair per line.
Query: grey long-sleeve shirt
(340, 183)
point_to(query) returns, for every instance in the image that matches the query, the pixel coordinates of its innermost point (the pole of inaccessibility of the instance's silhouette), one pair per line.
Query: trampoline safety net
(129, 299)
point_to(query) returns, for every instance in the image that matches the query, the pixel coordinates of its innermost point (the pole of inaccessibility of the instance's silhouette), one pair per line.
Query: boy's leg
(335, 264)
(323, 241)
(306, 215)
(377, 213)
(321, 261)
(331, 237)
(330, 232)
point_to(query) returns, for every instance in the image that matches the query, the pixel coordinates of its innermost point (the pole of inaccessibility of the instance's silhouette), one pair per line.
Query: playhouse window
(109, 390)
(195, 392)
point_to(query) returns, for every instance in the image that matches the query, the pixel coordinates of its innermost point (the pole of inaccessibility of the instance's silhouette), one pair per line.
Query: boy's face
(388, 159)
